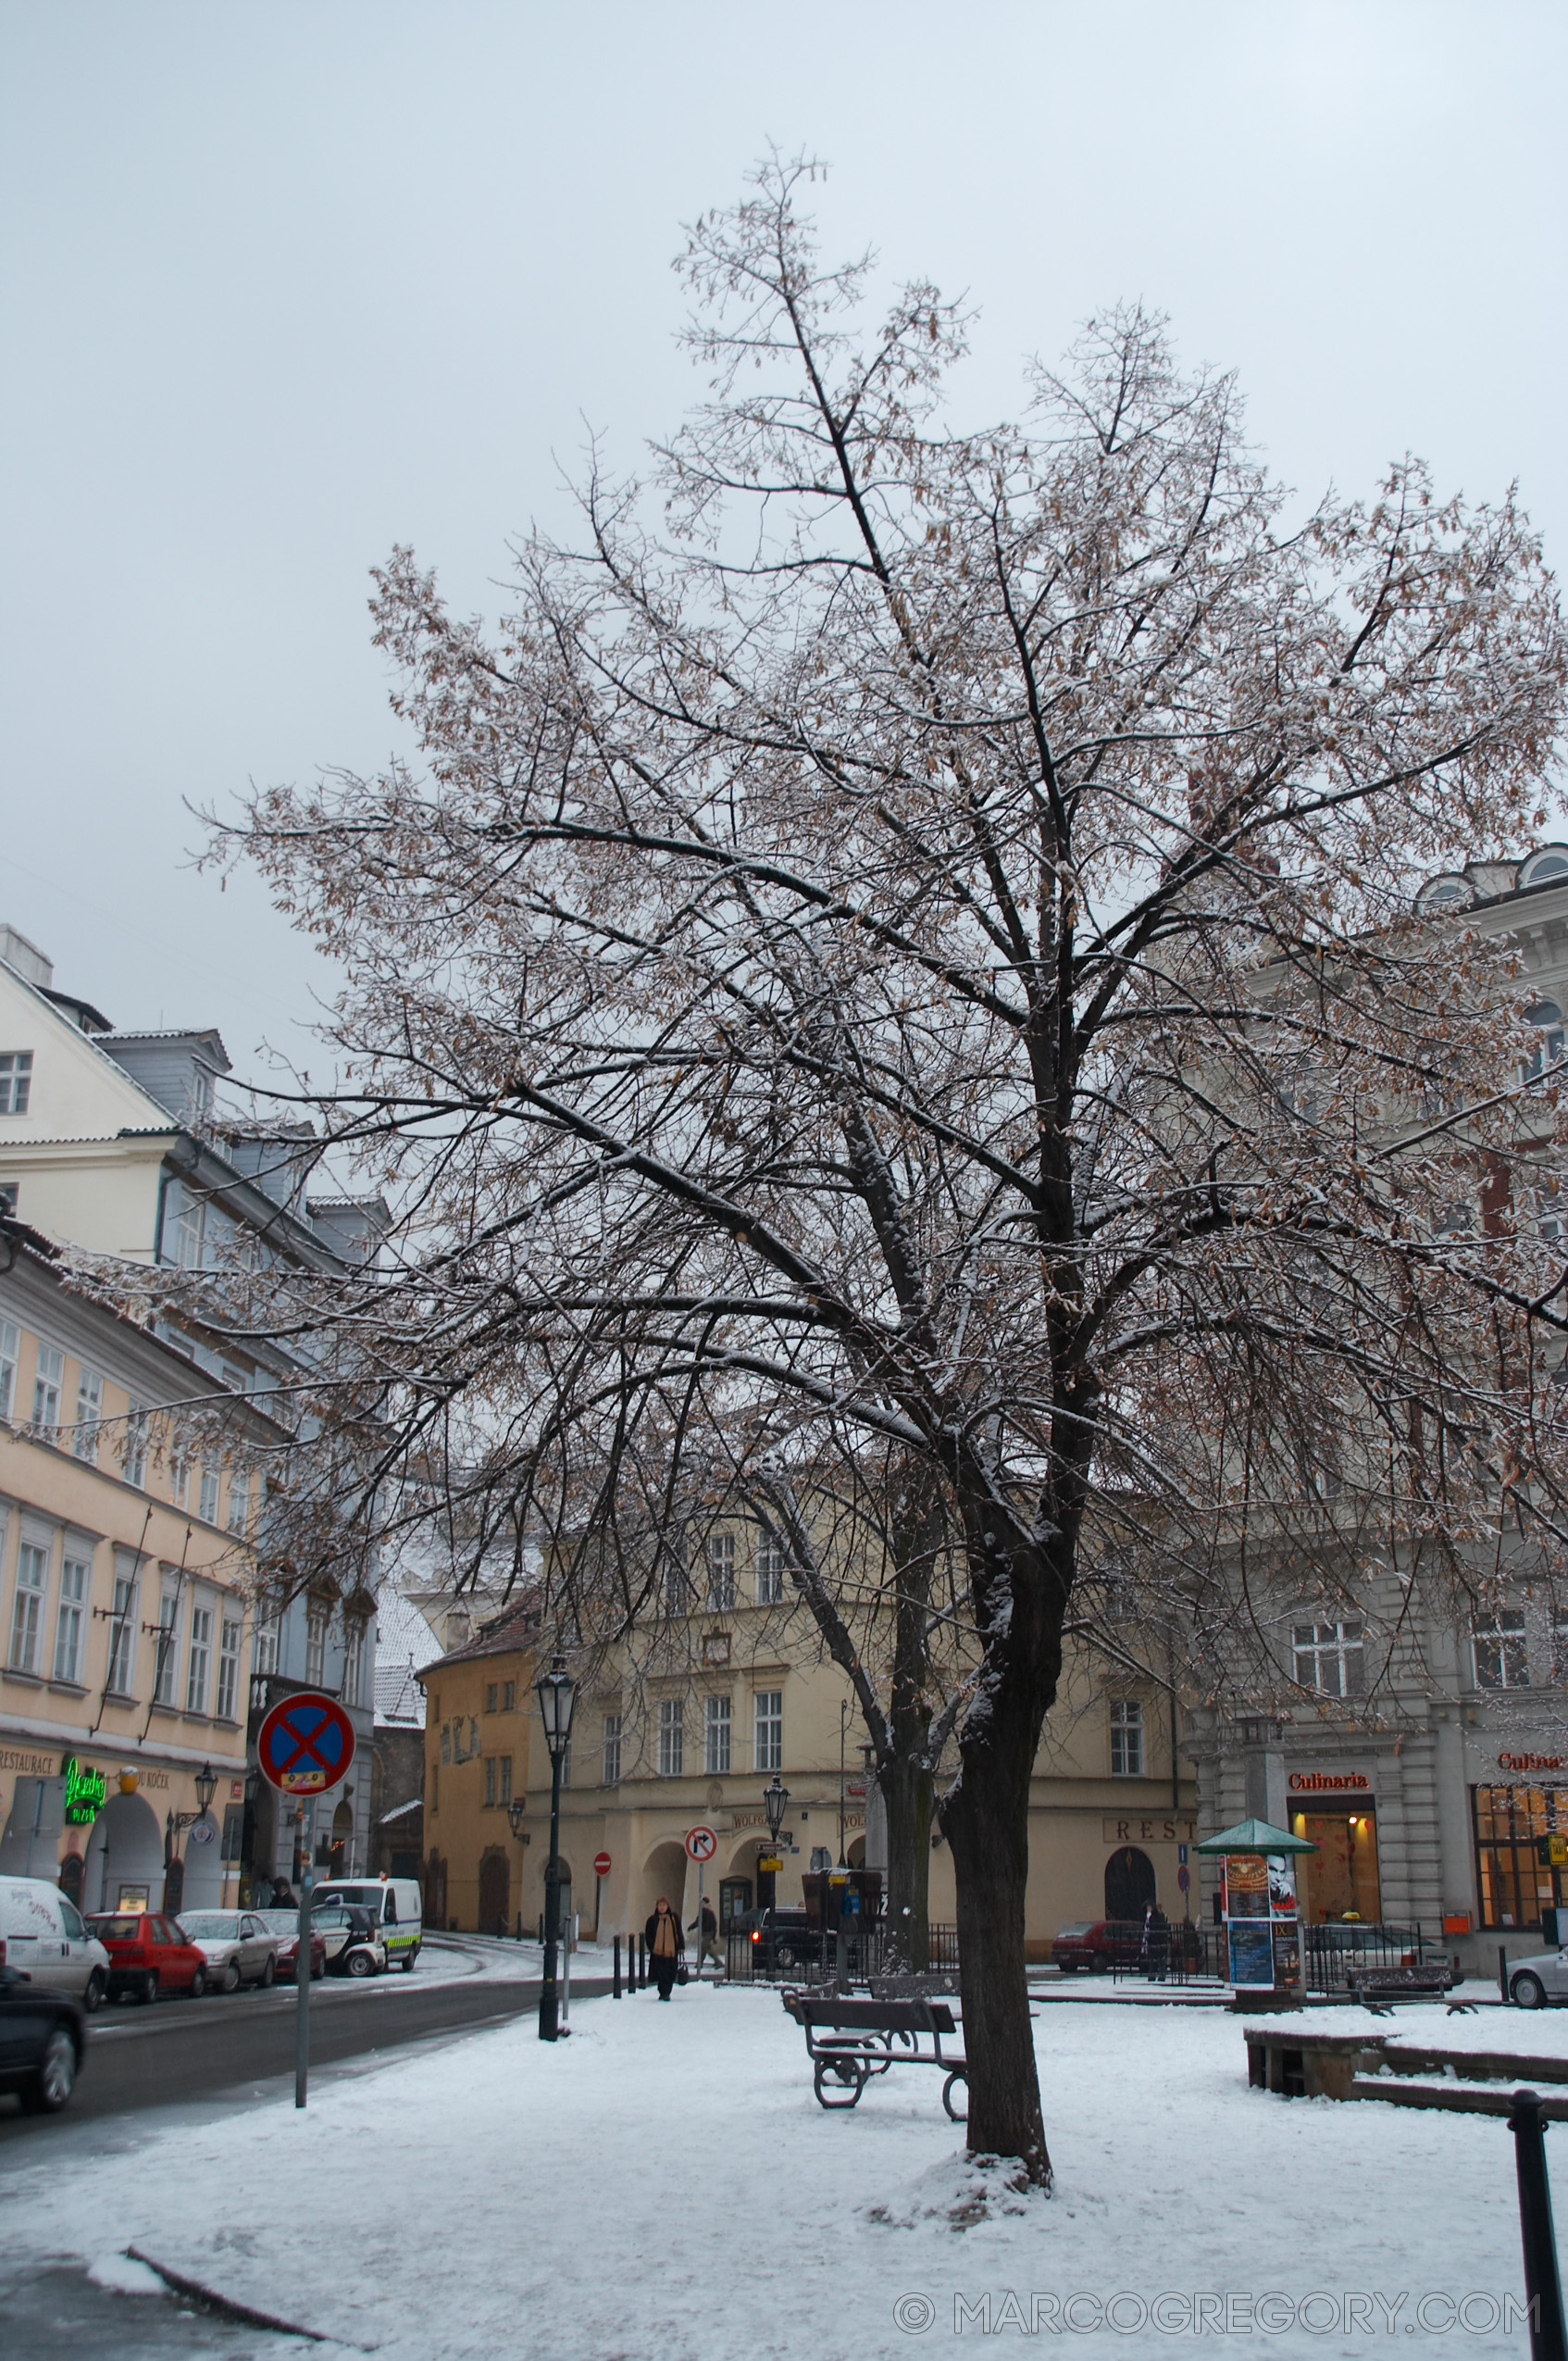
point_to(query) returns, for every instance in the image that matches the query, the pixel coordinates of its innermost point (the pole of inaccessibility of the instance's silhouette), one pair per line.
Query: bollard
(616, 1987)
(1543, 2289)
(641, 1965)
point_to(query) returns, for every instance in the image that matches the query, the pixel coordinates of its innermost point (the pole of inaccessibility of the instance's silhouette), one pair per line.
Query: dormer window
(1548, 867)
(1441, 894)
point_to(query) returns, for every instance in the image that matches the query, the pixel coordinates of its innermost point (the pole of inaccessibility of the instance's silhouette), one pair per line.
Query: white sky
(284, 285)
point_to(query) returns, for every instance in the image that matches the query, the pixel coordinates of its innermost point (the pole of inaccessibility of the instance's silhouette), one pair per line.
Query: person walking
(666, 1946)
(707, 1945)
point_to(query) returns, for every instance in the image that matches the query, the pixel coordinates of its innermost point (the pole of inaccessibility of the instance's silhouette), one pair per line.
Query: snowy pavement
(663, 2180)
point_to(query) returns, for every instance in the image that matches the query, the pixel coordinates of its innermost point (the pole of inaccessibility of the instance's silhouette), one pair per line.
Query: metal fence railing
(1334, 1956)
(796, 1953)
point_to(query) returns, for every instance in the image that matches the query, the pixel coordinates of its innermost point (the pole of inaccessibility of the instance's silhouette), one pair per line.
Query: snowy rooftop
(404, 1643)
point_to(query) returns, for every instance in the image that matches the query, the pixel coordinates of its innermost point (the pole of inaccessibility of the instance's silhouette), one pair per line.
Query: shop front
(1337, 1811)
(1514, 1820)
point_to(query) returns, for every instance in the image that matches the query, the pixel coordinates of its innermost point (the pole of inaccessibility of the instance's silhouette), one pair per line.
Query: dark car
(149, 1954)
(1096, 1945)
(43, 2042)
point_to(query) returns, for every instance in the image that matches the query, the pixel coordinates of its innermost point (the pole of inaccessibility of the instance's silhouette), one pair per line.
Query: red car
(285, 1925)
(1097, 1945)
(148, 1954)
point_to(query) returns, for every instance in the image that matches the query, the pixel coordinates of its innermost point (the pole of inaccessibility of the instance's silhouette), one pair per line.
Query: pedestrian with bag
(708, 1943)
(667, 1946)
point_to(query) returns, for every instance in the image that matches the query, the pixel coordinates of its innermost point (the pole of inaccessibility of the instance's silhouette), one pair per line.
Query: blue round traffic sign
(305, 1745)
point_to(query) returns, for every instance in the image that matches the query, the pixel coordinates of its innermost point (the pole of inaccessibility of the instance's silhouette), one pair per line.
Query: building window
(228, 1668)
(316, 1647)
(770, 1572)
(508, 1696)
(88, 1410)
(715, 1736)
(490, 1778)
(188, 1233)
(675, 1584)
(354, 1662)
(505, 1764)
(47, 1380)
(672, 1738)
(1127, 1738)
(264, 1653)
(122, 1635)
(721, 1571)
(611, 1750)
(1547, 1017)
(8, 1344)
(76, 1580)
(133, 1455)
(16, 1080)
(199, 1660)
(1509, 1822)
(1330, 1657)
(239, 1501)
(207, 1498)
(769, 1730)
(27, 1612)
(180, 1480)
(163, 1690)
(492, 1697)
(435, 1787)
(1502, 1661)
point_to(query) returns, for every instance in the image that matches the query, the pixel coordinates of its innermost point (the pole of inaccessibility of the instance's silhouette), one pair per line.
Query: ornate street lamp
(775, 1798)
(206, 1787)
(514, 1811)
(556, 1693)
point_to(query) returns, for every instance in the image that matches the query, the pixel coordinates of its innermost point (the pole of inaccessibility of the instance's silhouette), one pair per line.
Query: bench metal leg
(847, 2073)
(957, 2081)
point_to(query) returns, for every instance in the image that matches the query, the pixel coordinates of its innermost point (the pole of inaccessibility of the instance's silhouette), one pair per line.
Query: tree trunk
(986, 1820)
(907, 1796)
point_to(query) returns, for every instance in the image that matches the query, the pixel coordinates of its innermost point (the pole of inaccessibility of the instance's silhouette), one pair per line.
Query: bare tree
(917, 946)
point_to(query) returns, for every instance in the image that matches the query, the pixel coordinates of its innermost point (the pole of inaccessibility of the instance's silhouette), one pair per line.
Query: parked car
(285, 1925)
(395, 1903)
(148, 1954)
(43, 2042)
(1540, 1981)
(352, 1937)
(238, 1945)
(43, 1933)
(1096, 1945)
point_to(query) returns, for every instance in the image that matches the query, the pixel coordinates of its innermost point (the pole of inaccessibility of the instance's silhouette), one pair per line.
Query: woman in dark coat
(666, 1946)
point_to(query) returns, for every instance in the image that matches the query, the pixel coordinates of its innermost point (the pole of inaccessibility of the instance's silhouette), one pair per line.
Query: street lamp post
(514, 1811)
(556, 1693)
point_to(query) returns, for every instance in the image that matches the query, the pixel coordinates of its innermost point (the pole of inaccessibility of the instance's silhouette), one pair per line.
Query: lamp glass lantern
(206, 1786)
(556, 1691)
(775, 1797)
(514, 1811)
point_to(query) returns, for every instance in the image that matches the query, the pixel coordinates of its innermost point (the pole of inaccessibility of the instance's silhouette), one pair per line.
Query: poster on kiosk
(1261, 1920)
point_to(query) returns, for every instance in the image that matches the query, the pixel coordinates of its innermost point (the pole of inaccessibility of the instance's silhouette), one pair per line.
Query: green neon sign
(85, 1790)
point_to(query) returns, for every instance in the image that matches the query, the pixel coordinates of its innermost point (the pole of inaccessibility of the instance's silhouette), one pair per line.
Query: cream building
(125, 1621)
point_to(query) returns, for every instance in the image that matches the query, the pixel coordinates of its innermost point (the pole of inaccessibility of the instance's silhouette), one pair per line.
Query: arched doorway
(201, 1879)
(124, 1857)
(663, 1872)
(495, 1892)
(1129, 1883)
(342, 1830)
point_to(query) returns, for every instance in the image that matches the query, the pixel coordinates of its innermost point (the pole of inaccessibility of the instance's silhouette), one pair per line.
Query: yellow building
(478, 1707)
(125, 1616)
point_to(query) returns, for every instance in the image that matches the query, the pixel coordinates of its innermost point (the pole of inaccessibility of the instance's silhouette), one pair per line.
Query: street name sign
(305, 1745)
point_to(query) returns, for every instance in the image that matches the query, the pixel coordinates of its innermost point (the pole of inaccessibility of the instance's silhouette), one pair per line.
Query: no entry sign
(305, 1745)
(601, 1865)
(700, 1843)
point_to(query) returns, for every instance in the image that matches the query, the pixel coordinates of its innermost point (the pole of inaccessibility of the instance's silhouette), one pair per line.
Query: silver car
(238, 1947)
(1537, 1981)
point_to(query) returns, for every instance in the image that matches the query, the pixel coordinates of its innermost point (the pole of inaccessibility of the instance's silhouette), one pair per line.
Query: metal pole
(1543, 2290)
(615, 1990)
(305, 1818)
(702, 1873)
(1502, 1970)
(567, 1975)
(549, 1997)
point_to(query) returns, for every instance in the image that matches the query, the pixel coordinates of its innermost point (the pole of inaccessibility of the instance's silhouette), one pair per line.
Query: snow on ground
(665, 2181)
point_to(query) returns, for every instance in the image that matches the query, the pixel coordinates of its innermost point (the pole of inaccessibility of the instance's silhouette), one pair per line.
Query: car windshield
(210, 1926)
(279, 1922)
(1079, 1927)
(115, 1929)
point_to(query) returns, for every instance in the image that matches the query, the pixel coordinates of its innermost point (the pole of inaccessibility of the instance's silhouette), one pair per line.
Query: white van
(395, 1903)
(41, 1933)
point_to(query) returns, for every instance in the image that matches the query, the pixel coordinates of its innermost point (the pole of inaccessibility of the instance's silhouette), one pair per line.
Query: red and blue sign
(305, 1745)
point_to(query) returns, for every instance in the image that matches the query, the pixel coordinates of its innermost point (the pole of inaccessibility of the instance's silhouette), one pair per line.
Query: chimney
(25, 957)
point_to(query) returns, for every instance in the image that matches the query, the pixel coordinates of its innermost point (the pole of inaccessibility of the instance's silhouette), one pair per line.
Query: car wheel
(92, 1998)
(317, 1969)
(361, 1964)
(150, 1987)
(268, 1973)
(1069, 1968)
(198, 1983)
(409, 1957)
(230, 1978)
(1527, 1992)
(55, 2078)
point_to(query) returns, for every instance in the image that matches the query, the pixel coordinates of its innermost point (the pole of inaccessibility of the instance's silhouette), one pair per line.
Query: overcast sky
(284, 285)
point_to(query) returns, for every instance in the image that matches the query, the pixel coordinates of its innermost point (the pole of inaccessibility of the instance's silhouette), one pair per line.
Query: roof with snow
(404, 1642)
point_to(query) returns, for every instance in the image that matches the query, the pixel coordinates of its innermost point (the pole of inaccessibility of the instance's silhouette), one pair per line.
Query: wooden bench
(851, 2041)
(1428, 1981)
(1297, 2064)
